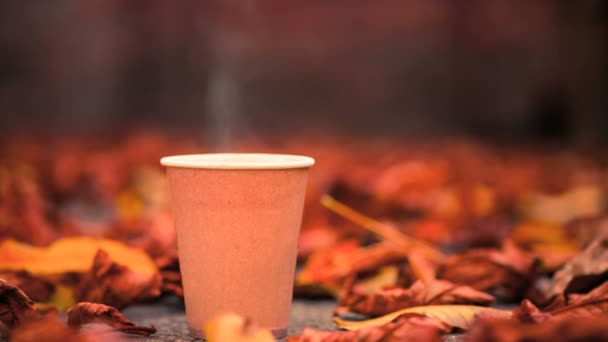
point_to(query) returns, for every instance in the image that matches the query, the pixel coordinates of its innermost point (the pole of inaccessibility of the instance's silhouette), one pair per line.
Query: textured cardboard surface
(237, 234)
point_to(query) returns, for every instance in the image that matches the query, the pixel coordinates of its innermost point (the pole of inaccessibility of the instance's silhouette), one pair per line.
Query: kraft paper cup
(237, 218)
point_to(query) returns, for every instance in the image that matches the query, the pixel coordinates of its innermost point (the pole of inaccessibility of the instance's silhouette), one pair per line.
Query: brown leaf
(586, 308)
(234, 328)
(384, 231)
(49, 329)
(85, 313)
(328, 264)
(37, 288)
(598, 293)
(509, 269)
(420, 266)
(15, 306)
(585, 271)
(72, 254)
(316, 236)
(168, 266)
(404, 328)
(570, 330)
(529, 313)
(593, 304)
(387, 276)
(154, 234)
(420, 293)
(458, 316)
(114, 284)
(24, 212)
(329, 267)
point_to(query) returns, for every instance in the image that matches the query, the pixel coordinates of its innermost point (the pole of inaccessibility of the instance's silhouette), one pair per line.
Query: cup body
(237, 233)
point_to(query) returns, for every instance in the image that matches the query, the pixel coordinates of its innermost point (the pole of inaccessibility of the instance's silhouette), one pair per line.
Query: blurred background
(500, 69)
(465, 124)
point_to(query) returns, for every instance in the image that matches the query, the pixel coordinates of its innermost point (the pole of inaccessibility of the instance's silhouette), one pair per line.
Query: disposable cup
(237, 218)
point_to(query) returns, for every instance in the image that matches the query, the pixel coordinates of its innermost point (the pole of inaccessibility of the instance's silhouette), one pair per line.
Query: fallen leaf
(510, 270)
(551, 243)
(585, 308)
(458, 316)
(316, 236)
(113, 284)
(85, 313)
(168, 266)
(234, 328)
(154, 233)
(74, 254)
(578, 202)
(62, 298)
(598, 293)
(328, 268)
(24, 211)
(421, 293)
(37, 288)
(529, 313)
(570, 330)
(420, 266)
(387, 276)
(592, 304)
(50, 329)
(586, 270)
(405, 328)
(328, 264)
(384, 231)
(536, 234)
(15, 306)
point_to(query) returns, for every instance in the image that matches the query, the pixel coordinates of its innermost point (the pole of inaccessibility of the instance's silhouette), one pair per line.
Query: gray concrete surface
(170, 320)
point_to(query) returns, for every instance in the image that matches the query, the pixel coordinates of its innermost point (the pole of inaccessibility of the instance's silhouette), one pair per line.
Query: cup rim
(238, 161)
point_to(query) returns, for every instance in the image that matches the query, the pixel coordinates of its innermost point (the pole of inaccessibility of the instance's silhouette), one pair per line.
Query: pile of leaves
(412, 240)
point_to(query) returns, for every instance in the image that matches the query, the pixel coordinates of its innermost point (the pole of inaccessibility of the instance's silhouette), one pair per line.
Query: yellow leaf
(386, 276)
(458, 316)
(62, 298)
(384, 231)
(234, 328)
(74, 254)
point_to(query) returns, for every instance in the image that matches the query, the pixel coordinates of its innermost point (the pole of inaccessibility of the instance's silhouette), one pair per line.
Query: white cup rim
(238, 161)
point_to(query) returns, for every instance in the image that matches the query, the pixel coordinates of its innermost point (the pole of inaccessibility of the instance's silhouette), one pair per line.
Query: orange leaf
(234, 328)
(458, 316)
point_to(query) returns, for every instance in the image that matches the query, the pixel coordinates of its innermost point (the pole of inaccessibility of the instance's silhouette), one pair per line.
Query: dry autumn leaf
(387, 276)
(549, 242)
(421, 293)
(15, 306)
(118, 277)
(85, 313)
(74, 254)
(384, 231)
(592, 304)
(405, 328)
(587, 269)
(581, 201)
(51, 329)
(234, 328)
(509, 269)
(37, 288)
(328, 268)
(111, 283)
(458, 316)
(506, 330)
(168, 265)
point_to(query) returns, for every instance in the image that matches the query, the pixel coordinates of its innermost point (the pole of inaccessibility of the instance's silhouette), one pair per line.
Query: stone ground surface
(170, 320)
